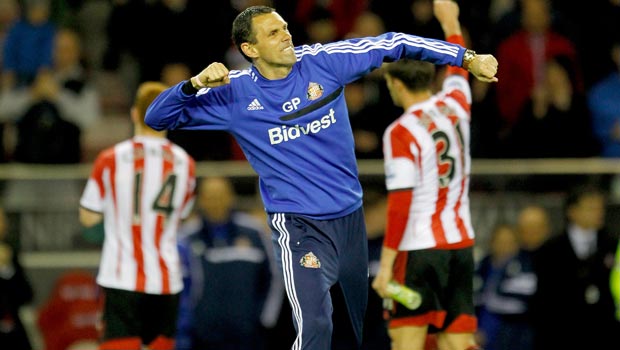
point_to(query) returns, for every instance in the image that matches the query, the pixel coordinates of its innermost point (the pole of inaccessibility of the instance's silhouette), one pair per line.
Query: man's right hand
(216, 74)
(484, 68)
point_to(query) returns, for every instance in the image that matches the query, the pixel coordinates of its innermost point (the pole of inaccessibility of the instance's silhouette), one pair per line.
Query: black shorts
(131, 314)
(444, 278)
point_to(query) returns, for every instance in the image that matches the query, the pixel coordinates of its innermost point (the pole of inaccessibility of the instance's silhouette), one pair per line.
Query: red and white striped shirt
(427, 167)
(143, 187)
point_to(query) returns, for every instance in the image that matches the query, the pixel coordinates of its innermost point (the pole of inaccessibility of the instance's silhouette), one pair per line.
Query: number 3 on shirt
(446, 162)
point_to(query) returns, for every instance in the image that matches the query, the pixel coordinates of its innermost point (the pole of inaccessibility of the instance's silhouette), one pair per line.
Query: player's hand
(484, 68)
(216, 74)
(445, 10)
(379, 284)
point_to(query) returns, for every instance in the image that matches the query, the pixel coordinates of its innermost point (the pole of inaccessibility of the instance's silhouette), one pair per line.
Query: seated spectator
(523, 55)
(604, 104)
(15, 292)
(555, 115)
(51, 113)
(28, 45)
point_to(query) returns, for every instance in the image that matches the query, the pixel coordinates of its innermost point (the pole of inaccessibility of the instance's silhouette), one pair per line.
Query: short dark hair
(242, 26)
(580, 191)
(416, 75)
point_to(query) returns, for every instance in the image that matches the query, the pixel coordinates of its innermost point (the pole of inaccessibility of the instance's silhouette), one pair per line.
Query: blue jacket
(227, 281)
(295, 131)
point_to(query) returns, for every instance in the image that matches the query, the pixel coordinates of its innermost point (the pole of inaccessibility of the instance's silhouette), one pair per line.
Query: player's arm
(483, 67)
(89, 218)
(202, 102)
(400, 176)
(92, 225)
(385, 272)
(456, 82)
(447, 13)
(399, 202)
(91, 203)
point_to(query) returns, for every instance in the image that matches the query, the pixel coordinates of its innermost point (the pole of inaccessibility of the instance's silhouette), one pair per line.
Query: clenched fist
(484, 68)
(216, 74)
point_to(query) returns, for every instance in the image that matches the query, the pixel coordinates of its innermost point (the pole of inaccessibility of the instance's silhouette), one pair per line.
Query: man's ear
(249, 50)
(398, 84)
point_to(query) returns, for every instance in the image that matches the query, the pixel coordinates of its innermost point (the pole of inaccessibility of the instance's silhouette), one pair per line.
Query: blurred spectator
(366, 24)
(175, 72)
(15, 292)
(573, 307)
(599, 19)
(507, 282)
(28, 45)
(72, 313)
(341, 13)
(368, 113)
(409, 16)
(490, 21)
(231, 293)
(556, 103)
(141, 52)
(494, 280)
(523, 56)
(9, 13)
(533, 227)
(51, 114)
(320, 27)
(124, 43)
(604, 104)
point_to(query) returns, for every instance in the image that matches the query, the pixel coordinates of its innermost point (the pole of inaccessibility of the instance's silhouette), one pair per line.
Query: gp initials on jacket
(285, 133)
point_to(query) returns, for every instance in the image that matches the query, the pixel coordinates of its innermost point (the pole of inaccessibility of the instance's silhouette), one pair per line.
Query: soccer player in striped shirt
(429, 237)
(140, 189)
(288, 114)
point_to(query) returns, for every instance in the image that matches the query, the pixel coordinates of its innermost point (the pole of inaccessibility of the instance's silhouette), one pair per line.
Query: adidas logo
(255, 105)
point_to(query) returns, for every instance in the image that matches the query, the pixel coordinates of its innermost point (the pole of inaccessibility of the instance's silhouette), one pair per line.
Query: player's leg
(352, 244)
(424, 271)
(457, 341)
(160, 319)
(307, 260)
(408, 337)
(121, 323)
(461, 324)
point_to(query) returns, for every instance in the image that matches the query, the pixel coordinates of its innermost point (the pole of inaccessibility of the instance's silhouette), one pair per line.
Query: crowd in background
(67, 66)
(68, 69)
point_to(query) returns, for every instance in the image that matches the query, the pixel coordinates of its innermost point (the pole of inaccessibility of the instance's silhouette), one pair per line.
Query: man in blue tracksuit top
(288, 114)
